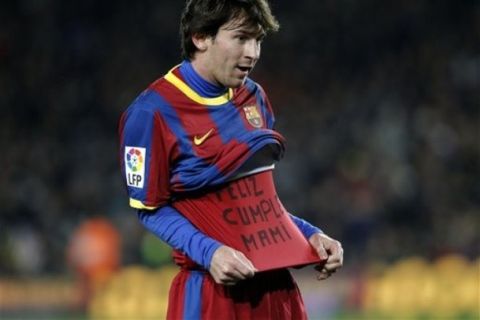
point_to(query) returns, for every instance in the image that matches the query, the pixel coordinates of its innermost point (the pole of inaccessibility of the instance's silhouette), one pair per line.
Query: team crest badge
(253, 116)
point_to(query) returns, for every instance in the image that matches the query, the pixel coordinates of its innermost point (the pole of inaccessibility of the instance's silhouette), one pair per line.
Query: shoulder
(150, 100)
(253, 88)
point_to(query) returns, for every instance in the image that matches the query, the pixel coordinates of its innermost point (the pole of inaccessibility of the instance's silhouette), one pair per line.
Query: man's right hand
(228, 266)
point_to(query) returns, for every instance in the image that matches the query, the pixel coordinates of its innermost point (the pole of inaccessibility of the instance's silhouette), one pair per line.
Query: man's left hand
(330, 251)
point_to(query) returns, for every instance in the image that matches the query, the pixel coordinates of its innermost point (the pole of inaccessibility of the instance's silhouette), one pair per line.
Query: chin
(236, 83)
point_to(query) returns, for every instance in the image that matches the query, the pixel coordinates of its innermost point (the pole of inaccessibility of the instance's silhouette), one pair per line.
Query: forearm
(173, 228)
(305, 227)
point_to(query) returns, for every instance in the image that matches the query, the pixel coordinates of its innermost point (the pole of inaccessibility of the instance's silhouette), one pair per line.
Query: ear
(200, 41)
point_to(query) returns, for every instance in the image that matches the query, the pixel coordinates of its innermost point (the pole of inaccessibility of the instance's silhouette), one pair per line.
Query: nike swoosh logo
(199, 140)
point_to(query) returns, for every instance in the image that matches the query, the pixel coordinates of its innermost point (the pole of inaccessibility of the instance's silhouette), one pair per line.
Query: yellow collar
(182, 86)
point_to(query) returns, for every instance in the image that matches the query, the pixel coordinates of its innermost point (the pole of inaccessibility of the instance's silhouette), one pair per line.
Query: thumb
(322, 252)
(318, 242)
(245, 261)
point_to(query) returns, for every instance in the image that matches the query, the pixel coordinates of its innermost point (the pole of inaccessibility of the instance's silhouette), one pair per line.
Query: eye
(241, 38)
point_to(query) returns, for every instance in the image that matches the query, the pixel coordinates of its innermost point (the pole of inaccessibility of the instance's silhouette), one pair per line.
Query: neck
(194, 80)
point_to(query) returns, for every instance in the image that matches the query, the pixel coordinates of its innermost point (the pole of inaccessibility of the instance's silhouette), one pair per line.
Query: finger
(333, 267)
(225, 273)
(235, 271)
(246, 262)
(319, 267)
(333, 247)
(229, 281)
(323, 275)
(333, 263)
(326, 270)
(222, 278)
(233, 274)
(229, 284)
(330, 272)
(336, 257)
(244, 266)
(230, 264)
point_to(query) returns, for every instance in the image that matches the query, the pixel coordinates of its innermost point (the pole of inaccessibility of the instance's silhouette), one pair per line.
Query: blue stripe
(252, 88)
(192, 308)
(137, 133)
(229, 122)
(173, 121)
(231, 125)
(187, 170)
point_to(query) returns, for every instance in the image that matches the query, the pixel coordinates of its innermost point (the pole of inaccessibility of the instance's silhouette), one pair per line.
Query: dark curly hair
(205, 17)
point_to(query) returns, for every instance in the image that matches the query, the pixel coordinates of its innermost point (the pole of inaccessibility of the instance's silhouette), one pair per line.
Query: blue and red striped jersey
(174, 140)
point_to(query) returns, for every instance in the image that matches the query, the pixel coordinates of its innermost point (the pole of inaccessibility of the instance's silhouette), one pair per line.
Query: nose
(252, 49)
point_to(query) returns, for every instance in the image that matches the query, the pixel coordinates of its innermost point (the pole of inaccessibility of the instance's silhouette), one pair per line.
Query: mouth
(245, 69)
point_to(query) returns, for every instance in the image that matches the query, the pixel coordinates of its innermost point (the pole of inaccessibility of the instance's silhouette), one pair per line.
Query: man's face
(230, 56)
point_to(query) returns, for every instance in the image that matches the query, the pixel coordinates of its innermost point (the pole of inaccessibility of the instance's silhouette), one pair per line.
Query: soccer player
(197, 150)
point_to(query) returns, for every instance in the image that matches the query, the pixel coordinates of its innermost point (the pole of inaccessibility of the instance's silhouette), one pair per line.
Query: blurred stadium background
(379, 102)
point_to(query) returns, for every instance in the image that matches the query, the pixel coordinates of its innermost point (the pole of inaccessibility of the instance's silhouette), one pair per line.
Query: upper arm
(145, 150)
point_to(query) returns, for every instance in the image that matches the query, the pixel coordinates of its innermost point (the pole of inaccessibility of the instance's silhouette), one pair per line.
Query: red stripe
(162, 146)
(234, 155)
(187, 110)
(176, 298)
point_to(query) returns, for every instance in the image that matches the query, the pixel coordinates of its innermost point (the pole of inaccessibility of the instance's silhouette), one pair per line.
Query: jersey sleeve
(305, 227)
(173, 228)
(146, 145)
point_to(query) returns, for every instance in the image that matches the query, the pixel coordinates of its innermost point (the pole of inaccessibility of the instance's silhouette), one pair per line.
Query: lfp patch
(135, 166)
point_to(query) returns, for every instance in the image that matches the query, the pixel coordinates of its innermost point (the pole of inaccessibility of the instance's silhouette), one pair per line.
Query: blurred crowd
(379, 103)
